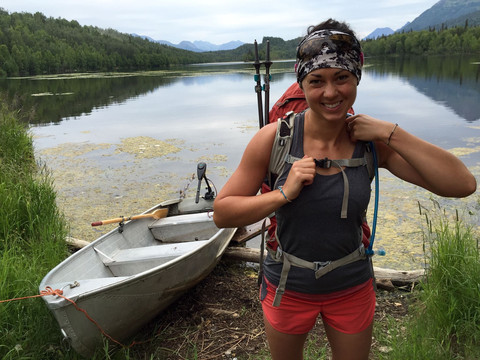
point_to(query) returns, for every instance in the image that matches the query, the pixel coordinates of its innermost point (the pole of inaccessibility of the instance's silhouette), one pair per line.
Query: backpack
(292, 100)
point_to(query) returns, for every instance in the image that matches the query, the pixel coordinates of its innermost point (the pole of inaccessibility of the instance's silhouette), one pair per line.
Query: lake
(117, 144)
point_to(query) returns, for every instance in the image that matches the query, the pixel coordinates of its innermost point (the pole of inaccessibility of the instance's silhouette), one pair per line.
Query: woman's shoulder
(266, 134)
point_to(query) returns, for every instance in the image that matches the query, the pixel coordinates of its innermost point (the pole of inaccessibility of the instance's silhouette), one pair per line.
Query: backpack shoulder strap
(281, 146)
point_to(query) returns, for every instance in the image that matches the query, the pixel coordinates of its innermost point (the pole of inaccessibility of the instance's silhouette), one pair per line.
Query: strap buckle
(279, 291)
(320, 264)
(278, 254)
(325, 163)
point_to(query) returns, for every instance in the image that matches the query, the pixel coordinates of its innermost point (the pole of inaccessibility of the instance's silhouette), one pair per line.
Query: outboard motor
(201, 171)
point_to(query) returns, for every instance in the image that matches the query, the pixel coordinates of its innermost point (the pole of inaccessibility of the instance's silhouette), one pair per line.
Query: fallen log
(383, 276)
(76, 243)
(248, 232)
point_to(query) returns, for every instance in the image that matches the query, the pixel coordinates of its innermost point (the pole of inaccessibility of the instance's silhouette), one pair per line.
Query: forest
(445, 41)
(33, 44)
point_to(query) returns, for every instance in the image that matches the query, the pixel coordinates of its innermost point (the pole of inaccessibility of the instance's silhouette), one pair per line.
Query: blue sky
(220, 21)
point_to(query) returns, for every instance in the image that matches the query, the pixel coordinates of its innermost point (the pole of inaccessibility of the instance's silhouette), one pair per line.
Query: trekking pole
(258, 86)
(266, 85)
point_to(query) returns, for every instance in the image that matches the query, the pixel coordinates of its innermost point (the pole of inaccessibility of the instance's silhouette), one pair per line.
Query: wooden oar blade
(160, 213)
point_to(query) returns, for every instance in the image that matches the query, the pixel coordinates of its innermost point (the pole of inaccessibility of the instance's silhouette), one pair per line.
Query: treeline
(457, 40)
(32, 44)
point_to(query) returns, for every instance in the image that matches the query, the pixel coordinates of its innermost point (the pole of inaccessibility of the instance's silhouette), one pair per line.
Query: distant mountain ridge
(445, 13)
(379, 32)
(197, 45)
(454, 12)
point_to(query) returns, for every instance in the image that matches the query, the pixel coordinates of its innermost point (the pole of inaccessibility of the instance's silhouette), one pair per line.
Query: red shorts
(351, 313)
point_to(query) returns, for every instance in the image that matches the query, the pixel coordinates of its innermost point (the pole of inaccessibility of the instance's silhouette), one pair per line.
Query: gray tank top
(310, 227)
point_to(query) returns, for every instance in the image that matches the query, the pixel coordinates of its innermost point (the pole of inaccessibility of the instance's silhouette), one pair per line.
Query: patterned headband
(328, 49)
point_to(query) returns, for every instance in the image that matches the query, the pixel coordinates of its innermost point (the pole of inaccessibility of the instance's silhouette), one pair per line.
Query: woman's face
(330, 92)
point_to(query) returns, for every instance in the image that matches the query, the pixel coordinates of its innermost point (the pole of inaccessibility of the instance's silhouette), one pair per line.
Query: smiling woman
(320, 208)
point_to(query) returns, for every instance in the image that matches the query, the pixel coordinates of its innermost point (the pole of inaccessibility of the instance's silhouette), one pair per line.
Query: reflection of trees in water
(62, 98)
(461, 98)
(452, 81)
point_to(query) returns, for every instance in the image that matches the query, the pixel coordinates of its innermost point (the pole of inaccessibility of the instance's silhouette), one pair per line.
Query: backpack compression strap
(281, 147)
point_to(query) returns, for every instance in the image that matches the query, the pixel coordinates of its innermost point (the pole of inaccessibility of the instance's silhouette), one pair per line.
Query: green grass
(32, 233)
(444, 321)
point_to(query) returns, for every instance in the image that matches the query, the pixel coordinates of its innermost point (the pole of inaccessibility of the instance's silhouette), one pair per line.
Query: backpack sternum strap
(327, 163)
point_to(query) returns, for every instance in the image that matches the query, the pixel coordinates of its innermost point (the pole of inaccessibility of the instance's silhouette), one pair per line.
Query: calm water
(96, 133)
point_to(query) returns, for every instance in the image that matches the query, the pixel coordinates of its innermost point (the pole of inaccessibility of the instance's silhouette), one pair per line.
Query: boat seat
(132, 261)
(184, 228)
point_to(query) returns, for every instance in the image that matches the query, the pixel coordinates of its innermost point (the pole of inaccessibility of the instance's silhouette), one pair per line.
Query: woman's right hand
(301, 174)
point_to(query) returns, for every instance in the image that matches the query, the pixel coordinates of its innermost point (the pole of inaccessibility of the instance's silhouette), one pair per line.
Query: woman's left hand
(367, 128)
(413, 159)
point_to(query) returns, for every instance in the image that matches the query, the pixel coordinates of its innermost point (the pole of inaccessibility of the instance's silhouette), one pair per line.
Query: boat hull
(125, 279)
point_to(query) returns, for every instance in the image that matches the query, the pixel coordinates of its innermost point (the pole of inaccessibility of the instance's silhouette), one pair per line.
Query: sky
(221, 21)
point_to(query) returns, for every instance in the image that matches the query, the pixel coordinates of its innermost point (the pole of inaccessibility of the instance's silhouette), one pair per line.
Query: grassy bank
(444, 321)
(32, 233)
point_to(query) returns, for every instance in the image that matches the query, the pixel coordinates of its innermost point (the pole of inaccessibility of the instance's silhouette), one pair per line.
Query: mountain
(196, 46)
(206, 46)
(446, 13)
(379, 32)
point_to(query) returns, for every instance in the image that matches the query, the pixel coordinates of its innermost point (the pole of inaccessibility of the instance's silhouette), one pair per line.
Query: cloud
(220, 21)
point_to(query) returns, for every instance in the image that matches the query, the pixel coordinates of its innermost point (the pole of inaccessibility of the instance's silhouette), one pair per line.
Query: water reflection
(450, 81)
(56, 99)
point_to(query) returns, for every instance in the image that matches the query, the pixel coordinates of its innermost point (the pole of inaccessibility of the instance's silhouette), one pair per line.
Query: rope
(48, 291)
(57, 292)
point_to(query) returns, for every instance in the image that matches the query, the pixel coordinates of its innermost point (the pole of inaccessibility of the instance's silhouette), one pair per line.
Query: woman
(309, 200)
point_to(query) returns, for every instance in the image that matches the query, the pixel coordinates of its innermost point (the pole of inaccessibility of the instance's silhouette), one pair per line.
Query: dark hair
(332, 24)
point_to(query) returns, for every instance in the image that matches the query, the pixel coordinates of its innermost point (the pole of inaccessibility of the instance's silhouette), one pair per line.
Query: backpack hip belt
(319, 267)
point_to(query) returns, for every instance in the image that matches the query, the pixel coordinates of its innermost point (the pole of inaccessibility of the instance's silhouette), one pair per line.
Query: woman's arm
(238, 202)
(413, 159)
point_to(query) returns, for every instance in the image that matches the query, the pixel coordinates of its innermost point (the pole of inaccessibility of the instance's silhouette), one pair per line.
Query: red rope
(48, 291)
(57, 292)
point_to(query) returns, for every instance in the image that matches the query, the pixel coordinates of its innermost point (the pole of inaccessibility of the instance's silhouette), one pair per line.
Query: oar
(157, 214)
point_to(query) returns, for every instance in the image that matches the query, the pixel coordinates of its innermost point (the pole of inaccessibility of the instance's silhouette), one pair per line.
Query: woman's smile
(333, 105)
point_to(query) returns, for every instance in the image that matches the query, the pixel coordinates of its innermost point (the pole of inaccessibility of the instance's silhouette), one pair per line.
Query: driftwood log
(76, 243)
